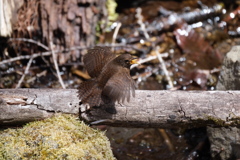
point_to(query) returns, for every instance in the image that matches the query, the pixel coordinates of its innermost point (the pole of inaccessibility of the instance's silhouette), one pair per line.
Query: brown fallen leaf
(196, 48)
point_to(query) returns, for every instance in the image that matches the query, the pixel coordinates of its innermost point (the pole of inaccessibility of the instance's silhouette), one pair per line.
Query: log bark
(165, 109)
(65, 23)
(71, 23)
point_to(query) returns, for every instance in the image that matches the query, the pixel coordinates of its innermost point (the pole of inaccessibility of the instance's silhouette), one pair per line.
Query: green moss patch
(59, 137)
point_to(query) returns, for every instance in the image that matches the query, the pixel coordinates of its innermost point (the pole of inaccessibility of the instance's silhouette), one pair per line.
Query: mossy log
(165, 109)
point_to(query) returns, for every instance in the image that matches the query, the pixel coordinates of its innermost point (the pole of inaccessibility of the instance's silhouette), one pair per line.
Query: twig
(25, 72)
(43, 73)
(31, 41)
(150, 58)
(116, 32)
(170, 83)
(166, 139)
(141, 61)
(48, 53)
(35, 55)
(24, 57)
(56, 65)
(140, 22)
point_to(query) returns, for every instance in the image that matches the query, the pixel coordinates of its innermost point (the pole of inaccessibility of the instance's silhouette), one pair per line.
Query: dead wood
(165, 109)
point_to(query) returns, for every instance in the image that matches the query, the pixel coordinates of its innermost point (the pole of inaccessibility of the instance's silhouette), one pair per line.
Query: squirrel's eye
(126, 61)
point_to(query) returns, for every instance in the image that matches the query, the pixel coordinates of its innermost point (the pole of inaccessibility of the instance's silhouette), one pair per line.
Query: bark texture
(71, 22)
(64, 23)
(165, 109)
(25, 105)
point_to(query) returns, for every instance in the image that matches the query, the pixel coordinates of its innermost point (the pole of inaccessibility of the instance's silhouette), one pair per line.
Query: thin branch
(116, 32)
(149, 58)
(24, 57)
(140, 22)
(35, 55)
(56, 66)
(170, 83)
(48, 53)
(25, 72)
(31, 41)
(166, 139)
(38, 75)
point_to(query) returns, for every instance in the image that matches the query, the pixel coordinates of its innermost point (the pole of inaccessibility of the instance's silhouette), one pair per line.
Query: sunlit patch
(238, 29)
(196, 25)
(199, 81)
(232, 15)
(182, 32)
(114, 25)
(142, 41)
(224, 11)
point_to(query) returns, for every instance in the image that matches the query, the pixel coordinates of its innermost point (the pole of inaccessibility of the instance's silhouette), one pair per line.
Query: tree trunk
(165, 109)
(64, 23)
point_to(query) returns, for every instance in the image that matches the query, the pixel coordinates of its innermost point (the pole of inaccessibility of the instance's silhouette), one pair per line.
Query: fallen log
(164, 109)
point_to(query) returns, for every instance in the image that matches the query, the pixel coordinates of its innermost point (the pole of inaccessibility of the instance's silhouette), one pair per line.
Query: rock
(225, 142)
(229, 78)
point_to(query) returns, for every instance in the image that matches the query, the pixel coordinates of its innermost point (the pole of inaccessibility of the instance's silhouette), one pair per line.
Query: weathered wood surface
(165, 109)
(18, 106)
